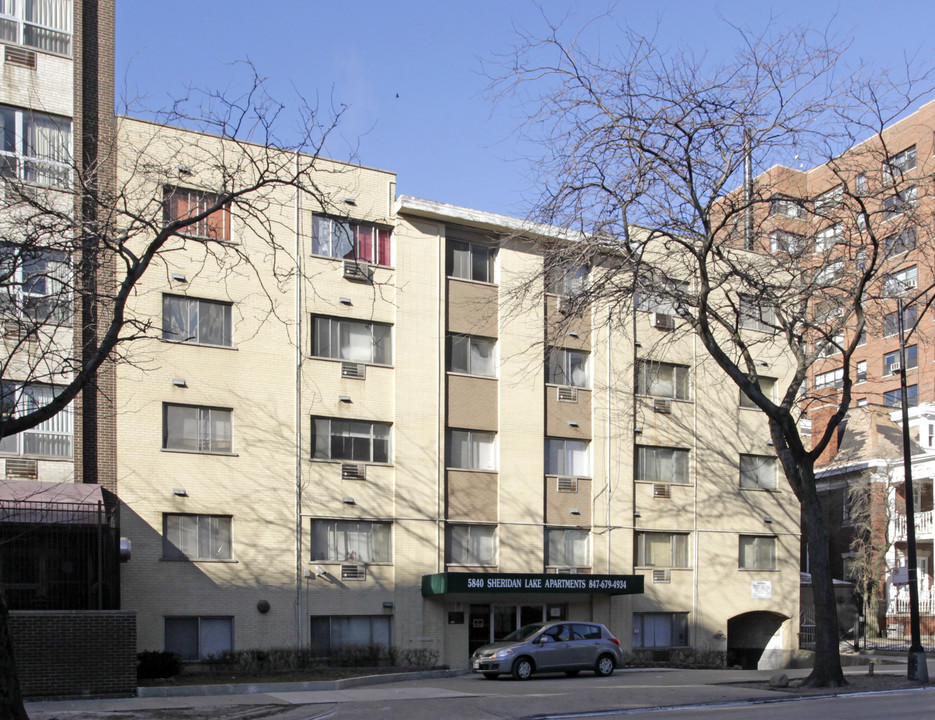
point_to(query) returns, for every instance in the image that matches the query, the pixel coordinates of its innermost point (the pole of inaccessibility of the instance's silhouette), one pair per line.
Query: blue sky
(412, 71)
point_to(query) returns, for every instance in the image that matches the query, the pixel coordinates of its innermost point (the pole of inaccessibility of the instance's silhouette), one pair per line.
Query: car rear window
(588, 632)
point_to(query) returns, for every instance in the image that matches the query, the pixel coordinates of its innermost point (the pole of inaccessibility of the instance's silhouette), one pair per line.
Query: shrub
(157, 664)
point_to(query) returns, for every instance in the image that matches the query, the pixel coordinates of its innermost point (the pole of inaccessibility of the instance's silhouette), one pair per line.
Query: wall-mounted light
(388, 604)
(572, 333)
(574, 511)
(179, 382)
(344, 301)
(768, 520)
(178, 277)
(638, 430)
(637, 343)
(350, 201)
(769, 442)
(184, 170)
(572, 423)
(179, 492)
(762, 363)
(637, 514)
(344, 398)
(348, 500)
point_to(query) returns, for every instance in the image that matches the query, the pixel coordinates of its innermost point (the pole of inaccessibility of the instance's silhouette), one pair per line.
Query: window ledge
(471, 375)
(473, 282)
(758, 570)
(662, 567)
(663, 482)
(355, 260)
(195, 560)
(195, 344)
(661, 397)
(332, 461)
(576, 387)
(356, 362)
(766, 490)
(199, 452)
(473, 470)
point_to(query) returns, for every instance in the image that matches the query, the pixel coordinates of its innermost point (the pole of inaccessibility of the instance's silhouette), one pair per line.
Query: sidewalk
(658, 687)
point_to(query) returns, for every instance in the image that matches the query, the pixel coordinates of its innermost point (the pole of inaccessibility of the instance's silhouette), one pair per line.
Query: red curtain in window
(383, 246)
(217, 224)
(364, 242)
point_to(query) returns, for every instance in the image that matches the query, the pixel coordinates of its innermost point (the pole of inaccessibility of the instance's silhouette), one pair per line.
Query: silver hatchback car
(564, 646)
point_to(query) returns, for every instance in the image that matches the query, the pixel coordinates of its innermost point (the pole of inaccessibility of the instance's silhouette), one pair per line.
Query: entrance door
(504, 621)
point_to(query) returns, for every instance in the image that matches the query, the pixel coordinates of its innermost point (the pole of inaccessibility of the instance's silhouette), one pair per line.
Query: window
(767, 387)
(828, 237)
(891, 358)
(662, 296)
(901, 242)
(52, 438)
(899, 163)
(899, 203)
(351, 240)
(829, 346)
(661, 549)
(41, 24)
(196, 537)
(898, 282)
(472, 544)
(660, 630)
(756, 315)
(891, 320)
(34, 285)
(567, 367)
(861, 371)
(830, 273)
(830, 199)
(789, 207)
(832, 378)
(351, 340)
(36, 147)
(566, 279)
(757, 552)
(472, 450)
(787, 242)
(199, 638)
(182, 204)
(472, 355)
(195, 320)
(354, 440)
(661, 464)
(567, 548)
(471, 261)
(567, 457)
(333, 632)
(662, 380)
(351, 541)
(893, 398)
(758, 472)
(196, 429)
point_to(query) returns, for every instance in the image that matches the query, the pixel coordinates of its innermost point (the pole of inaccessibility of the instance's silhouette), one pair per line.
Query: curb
(267, 688)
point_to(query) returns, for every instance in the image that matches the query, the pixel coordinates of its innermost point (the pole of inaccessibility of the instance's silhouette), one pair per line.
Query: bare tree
(177, 194)
(644, 154)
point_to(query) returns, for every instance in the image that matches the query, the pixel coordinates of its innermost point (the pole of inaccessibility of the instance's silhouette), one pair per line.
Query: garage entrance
(750, 635)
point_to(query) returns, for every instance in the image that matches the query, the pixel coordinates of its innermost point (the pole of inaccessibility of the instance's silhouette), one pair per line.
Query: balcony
(924, 526)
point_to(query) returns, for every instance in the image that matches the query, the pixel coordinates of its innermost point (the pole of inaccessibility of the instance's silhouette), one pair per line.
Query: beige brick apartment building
(387, 447)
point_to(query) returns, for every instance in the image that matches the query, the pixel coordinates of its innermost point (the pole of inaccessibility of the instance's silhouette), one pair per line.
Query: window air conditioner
(662, 406)
(662, 576)
(567, 570)
(909, 284)
(661, 490)
(358, 371)
(568, 394)
(895, 366)
(358, 271)
(354, 572)
(567, 484)
(353, 471)
(662, 321)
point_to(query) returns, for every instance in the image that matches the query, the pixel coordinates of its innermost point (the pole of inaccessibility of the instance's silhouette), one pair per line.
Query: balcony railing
(923, 524)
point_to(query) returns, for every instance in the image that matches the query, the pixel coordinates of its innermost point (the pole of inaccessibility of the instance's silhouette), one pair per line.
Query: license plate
(476, 664)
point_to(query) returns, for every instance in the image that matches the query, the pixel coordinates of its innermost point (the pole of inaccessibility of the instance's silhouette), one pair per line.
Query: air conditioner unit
(662, 576)
(568, 394)
(20, 56)
(354, 572)
(896, 366)
(22, 469)
(661, 490)
(909, 284)
(358, 371)
(567, 484)
(662, 406)
(663, 321)
(562, 305)
(567, 570)
(353, 471)
(358, 271)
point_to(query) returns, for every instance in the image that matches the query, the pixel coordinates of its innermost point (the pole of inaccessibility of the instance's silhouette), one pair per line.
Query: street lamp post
(917, 665)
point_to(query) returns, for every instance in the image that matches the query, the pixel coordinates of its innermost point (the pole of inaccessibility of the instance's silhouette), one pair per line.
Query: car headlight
(502, 653)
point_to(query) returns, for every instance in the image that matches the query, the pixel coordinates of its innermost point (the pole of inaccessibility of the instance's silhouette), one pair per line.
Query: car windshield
(523, 633)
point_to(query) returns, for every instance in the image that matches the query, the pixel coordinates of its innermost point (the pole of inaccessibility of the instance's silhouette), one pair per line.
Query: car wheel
(522, 669)
(491, 676)
(572, 673)
(604, 665)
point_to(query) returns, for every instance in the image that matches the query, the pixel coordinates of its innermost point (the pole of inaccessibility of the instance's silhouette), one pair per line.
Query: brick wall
(75, 652)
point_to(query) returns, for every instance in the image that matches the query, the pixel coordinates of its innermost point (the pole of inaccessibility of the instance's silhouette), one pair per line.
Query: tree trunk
(11, 699)
(827, 671)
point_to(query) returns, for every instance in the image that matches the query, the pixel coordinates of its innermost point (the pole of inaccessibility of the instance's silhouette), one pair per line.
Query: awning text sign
(455, 582)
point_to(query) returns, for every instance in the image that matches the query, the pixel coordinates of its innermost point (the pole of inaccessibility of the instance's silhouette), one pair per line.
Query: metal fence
(59, 555)
(888, 633)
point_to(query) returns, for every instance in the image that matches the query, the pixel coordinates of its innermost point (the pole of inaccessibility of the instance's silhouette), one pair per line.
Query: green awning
(475, 583)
